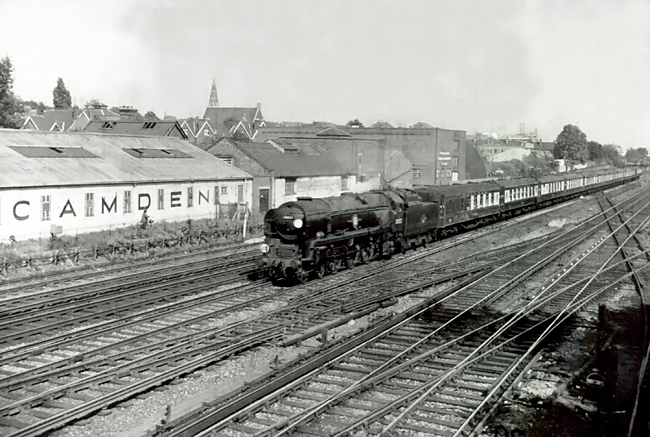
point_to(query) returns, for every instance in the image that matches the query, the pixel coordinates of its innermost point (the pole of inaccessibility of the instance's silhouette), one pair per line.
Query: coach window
(127, 202)
(90, 204)
(45, 208)
(161, 198)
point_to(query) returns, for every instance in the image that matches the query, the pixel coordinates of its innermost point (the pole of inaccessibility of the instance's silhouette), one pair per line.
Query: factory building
(72, 183)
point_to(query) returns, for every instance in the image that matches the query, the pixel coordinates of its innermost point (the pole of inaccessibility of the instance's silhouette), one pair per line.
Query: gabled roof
(196, 126)
(249, 118)
(32, 158)
(53, 120)
(129, 127)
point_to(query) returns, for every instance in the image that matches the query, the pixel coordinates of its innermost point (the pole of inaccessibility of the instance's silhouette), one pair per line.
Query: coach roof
(33, 158)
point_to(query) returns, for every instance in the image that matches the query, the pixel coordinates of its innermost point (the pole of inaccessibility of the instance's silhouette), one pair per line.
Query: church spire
(214, 100)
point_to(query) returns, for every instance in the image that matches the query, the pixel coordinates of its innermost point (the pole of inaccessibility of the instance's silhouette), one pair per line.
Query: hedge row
(157, 239)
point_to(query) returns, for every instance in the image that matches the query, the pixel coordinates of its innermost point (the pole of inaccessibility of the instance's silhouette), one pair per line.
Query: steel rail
(556, 238)
(49, 298)
(519, 315)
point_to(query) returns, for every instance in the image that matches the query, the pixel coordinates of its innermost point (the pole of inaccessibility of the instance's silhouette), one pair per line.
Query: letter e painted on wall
(175, 199)
(144, 205)
(20, 217)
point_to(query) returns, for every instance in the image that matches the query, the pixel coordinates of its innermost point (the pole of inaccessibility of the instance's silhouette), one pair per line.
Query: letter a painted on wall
(68, 209)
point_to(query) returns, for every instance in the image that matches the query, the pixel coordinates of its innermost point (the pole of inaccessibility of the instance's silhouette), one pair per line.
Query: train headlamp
(264, 248)
(297, 223)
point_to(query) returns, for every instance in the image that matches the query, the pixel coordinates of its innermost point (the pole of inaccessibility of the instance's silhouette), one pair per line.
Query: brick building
(279, 177)
(437, 156)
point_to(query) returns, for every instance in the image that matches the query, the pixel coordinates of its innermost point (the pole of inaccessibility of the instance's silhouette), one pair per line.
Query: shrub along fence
(156, 239)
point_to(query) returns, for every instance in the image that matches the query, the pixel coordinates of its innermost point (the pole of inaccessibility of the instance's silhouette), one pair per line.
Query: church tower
(214, 100)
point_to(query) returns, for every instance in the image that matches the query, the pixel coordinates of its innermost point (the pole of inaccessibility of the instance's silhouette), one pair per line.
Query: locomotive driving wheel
(319, 270)
(301, 276)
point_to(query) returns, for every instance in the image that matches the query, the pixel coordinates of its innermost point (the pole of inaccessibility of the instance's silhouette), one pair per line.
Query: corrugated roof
(114, 165)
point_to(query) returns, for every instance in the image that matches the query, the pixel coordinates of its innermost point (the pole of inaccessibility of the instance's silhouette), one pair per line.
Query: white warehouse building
(73, 183)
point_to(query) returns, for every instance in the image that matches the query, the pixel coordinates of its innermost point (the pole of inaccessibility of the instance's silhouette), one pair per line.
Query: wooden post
(245, 221)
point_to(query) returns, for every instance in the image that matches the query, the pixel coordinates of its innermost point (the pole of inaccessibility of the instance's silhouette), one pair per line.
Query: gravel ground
(139, 416)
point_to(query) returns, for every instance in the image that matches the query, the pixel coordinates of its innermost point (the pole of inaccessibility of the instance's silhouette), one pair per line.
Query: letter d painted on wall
(146, 204)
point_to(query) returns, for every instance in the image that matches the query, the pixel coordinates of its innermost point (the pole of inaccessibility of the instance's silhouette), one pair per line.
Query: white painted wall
(320, 186)
(21, 209)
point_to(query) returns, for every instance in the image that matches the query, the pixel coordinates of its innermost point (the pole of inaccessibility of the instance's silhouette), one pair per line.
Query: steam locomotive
(314, 237)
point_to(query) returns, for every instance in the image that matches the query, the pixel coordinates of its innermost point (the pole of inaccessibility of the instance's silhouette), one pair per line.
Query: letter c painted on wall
(20, 217)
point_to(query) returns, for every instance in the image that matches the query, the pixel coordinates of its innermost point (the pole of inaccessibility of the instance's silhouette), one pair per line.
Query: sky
(473, 65)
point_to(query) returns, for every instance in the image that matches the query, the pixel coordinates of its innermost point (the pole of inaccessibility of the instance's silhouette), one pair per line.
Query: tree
(10, 105)
(354, 123)
(632, 156)
(229, 123)
(612, 155)
(571, 145)
(150, 115)
(61, 96)
(240, 137)
(595, 151)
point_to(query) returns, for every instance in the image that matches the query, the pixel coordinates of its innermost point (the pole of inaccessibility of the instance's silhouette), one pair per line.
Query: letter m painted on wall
(109, 208)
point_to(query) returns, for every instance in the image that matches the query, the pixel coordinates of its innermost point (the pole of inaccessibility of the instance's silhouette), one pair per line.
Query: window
(216, 194)
(454, 161)
(456, 144)
(438, 173)
(127, 202)
(417, 173)
(448, 172)
(190, 197)
(289, 187)
(224, 190)
(45, 208)
(226, 159)
(90, 204)
(240, 193)
(161, 198)
(344, 183)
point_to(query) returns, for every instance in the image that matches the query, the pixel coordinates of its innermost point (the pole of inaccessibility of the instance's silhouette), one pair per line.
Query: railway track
(444, 382)
(39, 383)
(61, 278)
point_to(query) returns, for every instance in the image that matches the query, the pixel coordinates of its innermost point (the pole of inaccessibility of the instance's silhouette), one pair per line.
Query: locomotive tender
(320, 236)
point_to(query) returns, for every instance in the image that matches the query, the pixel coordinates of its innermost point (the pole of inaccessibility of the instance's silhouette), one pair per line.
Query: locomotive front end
(284, 230)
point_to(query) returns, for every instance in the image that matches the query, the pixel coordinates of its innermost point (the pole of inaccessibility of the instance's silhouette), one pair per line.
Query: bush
(156, 240)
